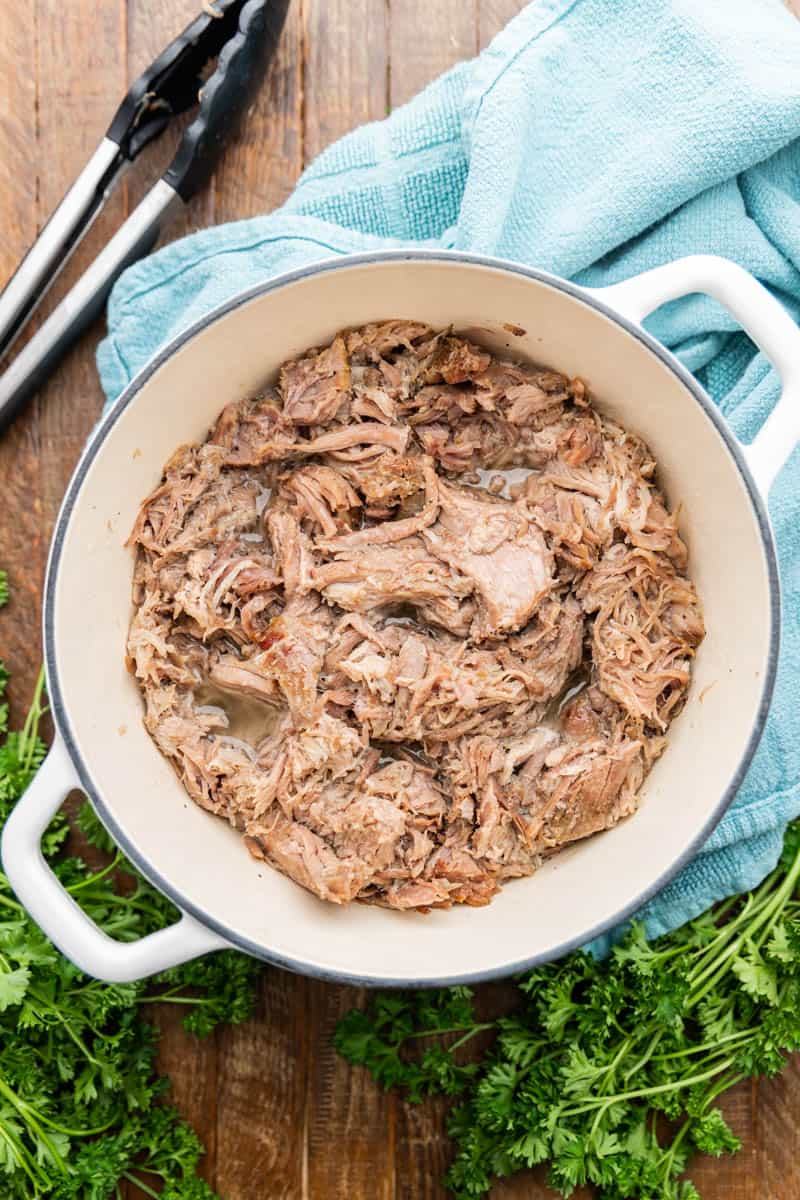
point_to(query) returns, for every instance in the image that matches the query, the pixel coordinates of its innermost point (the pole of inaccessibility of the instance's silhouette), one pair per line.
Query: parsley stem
(140, 1184)
(710, 953)
(6, 901)
(721, 1041)
(177, 989)
(608, 1073)
(44, 1005)
(168, 998)
(748, 909)
(31, 727)
(97, 1129)
(712, 974)
(641, 1062)
(651, 1091)
(22, 1156)
(423, 1033)
(601, 1112)
(725, 906)
(722, 1085)
(90, 879)
(669, 1157)
(462, 1041)
(27, 1114)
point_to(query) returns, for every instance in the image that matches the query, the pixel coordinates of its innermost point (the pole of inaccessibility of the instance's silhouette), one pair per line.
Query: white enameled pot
(226, 897)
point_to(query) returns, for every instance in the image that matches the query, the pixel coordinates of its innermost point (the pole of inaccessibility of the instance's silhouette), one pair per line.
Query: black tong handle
(240, 68)
(172, 82)
(244, 36)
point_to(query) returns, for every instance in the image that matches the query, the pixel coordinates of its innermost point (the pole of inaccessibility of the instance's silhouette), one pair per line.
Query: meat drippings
(246, 719)
(413, 620)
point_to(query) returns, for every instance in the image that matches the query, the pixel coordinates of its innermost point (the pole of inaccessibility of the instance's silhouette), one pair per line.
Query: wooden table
(280, 1114)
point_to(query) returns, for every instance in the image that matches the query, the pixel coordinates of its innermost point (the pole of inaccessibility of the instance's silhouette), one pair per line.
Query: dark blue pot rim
(93, 448)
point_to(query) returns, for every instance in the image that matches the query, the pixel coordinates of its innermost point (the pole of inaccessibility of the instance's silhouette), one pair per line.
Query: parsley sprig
(81, 1106)
(609, 1072)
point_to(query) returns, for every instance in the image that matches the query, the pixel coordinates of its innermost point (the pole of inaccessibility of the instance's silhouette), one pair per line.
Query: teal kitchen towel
(594, 139)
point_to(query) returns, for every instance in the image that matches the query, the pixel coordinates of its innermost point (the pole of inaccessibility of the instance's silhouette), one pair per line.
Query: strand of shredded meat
(401, 682)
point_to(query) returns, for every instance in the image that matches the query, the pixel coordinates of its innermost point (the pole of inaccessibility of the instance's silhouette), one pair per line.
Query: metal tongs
(242, 34)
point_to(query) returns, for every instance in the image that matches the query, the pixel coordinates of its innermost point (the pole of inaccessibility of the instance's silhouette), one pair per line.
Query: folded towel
(595, 139)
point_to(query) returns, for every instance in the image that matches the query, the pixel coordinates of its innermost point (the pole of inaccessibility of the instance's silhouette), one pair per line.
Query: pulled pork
(403, 682)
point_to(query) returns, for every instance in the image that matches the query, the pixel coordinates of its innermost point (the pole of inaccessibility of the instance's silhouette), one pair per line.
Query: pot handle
(55, 911)
(762, 317)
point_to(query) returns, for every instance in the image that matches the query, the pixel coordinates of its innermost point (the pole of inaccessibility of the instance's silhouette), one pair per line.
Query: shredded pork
(401, 680)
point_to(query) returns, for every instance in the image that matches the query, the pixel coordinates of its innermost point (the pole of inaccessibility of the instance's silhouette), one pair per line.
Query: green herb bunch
(609, 1072)
(80, 1103)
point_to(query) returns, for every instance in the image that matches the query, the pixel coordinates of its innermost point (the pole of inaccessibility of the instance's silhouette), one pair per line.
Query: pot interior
(198, 858)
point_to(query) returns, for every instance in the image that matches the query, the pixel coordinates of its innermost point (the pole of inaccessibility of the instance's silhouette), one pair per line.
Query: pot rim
(129, 394)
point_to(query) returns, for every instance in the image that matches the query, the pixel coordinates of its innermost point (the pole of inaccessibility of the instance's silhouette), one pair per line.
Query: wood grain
(22, 546)
(281, 1116)
(494, 15)
(264, 158)
(735, 1178)
(262, 1096)
(774, 1171)
(425, 38)
(344, 1110)
(80, 66)
(190, 1063)
(346, 68)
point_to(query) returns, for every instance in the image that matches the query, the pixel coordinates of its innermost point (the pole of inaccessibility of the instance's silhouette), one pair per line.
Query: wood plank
(346, 68)
(262, 1094)
(81, 76)
(425, 39)
(424, 1150)
(735, 1177)
(21, 537)
(190, 1063)
(350, 1123)
(776, 1172)
(494, 15)
(265, 156)
(18, 134)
